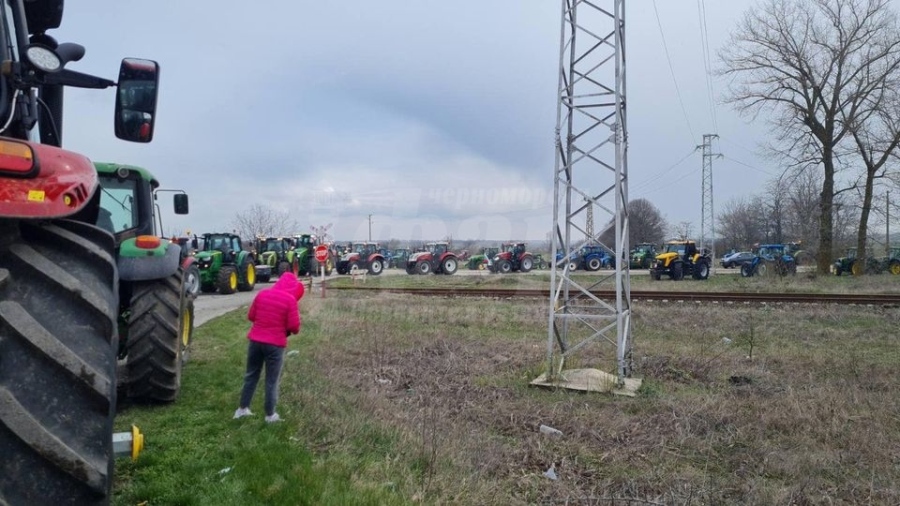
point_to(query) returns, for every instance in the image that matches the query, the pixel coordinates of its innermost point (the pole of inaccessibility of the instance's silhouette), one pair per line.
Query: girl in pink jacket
(275, 315)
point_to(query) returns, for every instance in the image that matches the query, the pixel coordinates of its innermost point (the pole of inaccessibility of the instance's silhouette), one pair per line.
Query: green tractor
(275, 254)
(224, 265)
(642, 256)
(480, 261)
(156, 309)
(306, 252)
(891, 262)
(850, 264)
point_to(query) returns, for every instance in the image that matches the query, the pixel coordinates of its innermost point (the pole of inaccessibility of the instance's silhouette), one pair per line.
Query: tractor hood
(46, 182)
(666, 257)
(421, 255)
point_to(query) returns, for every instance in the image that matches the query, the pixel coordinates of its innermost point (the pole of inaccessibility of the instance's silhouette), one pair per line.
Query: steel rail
(651, 295)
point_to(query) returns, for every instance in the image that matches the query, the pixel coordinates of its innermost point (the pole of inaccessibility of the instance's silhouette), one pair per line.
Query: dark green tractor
(642, 256)
(224, 265)
(480, 261)
(156, 311)
(850, 264)
(275, 256)
(306, 252)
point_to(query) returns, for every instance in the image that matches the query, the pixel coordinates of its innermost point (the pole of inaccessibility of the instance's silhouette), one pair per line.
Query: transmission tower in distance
(707, 213)
(590, 183)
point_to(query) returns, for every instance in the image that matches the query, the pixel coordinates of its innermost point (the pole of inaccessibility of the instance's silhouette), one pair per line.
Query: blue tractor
(770, 259)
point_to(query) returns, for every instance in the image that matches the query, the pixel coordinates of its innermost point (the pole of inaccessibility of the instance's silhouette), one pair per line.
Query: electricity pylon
(590, 179)
(707, 214)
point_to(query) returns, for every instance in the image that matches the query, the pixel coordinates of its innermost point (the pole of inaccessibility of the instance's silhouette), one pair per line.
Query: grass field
(395, 399)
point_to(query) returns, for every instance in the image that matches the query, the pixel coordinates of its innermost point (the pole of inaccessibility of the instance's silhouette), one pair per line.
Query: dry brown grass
(812, 418)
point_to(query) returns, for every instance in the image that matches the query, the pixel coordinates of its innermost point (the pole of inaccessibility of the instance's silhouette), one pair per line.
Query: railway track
(657, 296)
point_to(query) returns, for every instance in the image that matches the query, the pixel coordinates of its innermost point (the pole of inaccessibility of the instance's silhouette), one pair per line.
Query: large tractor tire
(677, 271)
(58, 345)
(527, 264)
(282, 267)
(192, 281)
(593, 264)
(157, 330)
(746, 270)
(449, 266)
(329, 266)
(375, 267)
(227, 281)
(894, 267)
(504, 266)
(701, 270)
(423, 267)
(411, 269)
(247, 277)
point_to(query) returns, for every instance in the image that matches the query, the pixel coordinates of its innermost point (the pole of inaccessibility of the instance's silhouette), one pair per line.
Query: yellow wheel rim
(895, 268)
(232, 281)
(251, 274)
(856, 269)
(186, 323)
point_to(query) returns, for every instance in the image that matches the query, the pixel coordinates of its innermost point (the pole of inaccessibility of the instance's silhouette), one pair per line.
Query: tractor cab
(436, 257)
(363, 255)
(513, 256)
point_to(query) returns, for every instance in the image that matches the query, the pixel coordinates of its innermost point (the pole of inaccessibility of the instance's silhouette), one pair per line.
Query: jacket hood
(289, 283)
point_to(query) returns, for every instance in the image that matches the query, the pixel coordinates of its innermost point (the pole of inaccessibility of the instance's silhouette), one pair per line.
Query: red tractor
(436, 258)
(512, 257)
(62, 276)
(364, 255)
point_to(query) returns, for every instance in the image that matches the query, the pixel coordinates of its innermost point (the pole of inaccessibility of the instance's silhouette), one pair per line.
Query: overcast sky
(434, 117)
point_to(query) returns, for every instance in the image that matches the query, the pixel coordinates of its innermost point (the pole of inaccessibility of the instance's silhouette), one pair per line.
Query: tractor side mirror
(136, 96)
(181, 203)
(195, 244)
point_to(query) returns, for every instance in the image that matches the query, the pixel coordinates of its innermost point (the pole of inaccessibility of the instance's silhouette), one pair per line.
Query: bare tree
(683, 230)
(740, 224)
(645, 224)
(813, 64)
(877, 135)
(259, 220)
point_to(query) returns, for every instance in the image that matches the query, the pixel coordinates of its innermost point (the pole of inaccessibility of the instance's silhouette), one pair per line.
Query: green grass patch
(395, 399)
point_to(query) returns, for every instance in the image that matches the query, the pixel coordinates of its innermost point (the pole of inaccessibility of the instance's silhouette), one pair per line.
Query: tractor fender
(241, 257)
(188, 261)
(142, 268)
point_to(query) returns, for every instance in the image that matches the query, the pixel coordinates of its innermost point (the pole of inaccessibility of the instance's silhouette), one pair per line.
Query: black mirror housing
(181, 203)
(136, 98)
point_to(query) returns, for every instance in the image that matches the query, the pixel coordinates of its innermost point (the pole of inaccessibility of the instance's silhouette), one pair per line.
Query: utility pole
(708, 215)
(887, 223)
(370, 228)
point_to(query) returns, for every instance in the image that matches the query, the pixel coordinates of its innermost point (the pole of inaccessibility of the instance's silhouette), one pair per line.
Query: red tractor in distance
(512, 257)
(436, 258)
(364, 255)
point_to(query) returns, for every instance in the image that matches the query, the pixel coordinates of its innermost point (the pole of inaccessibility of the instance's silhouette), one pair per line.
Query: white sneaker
(242, 412)
(273, 418)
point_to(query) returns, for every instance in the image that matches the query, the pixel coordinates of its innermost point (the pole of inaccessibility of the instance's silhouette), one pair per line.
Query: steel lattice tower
(591, 180)
(708, 215)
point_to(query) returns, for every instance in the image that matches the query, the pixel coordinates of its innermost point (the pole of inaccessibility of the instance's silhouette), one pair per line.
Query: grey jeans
(259, 355)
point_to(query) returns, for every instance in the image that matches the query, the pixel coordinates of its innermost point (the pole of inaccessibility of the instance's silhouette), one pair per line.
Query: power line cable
(707, 62)
(672, 71)
(655, 179)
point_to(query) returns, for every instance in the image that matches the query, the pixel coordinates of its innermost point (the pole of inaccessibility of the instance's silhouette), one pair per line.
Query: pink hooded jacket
(274, 311)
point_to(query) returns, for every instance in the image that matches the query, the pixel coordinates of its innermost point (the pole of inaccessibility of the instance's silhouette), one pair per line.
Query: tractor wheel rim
(251, 275)
(186, 323)
(233, 281)
(895, 269)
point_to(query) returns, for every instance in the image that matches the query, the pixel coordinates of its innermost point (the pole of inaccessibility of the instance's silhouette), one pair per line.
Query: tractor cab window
(235, 244)
(274, 245)
(117, 209)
